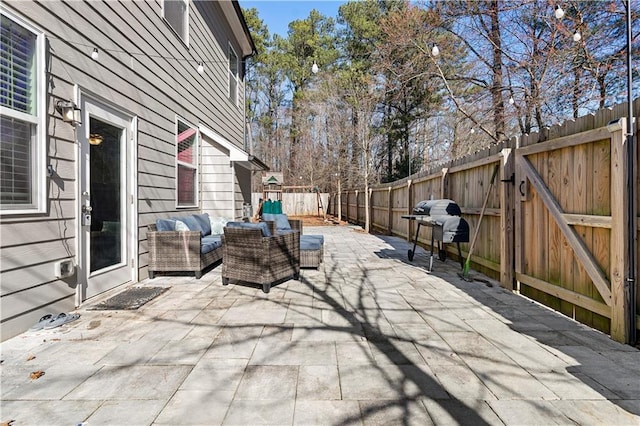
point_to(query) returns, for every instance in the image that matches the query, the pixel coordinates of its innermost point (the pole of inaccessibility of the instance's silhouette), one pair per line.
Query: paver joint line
(366, 338)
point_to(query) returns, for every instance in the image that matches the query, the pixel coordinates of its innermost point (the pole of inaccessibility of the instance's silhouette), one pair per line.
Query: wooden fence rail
(555, 226)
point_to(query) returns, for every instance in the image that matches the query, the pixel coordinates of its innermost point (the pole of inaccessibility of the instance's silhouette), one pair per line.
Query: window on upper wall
(176, 13)
(233, 76)
(22, 177)
(187, 165)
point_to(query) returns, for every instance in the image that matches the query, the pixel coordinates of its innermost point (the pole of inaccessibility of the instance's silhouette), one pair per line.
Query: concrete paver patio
(369, 338)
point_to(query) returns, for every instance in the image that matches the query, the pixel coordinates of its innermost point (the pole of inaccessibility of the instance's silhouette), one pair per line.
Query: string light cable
(94, 53)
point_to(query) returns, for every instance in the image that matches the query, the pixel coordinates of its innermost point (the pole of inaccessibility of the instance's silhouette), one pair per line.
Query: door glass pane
(106, 194)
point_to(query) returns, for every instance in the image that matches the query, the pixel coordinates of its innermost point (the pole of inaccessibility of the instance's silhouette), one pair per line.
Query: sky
(278, 14)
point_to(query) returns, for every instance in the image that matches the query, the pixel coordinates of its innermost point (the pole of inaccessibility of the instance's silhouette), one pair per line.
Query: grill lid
(442, 207)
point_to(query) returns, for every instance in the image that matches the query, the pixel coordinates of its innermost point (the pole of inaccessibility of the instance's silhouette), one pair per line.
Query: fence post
(444, 183)
(507, 208)
(619, 217)
(339, 210)
(346, 207)
(369, 212)
(390, 211)
(409, 208)
(358, 207)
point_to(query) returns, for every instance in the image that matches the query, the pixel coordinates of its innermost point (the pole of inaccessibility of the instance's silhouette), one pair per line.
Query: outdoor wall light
(95, 139)
(614, 125)
(70, 112)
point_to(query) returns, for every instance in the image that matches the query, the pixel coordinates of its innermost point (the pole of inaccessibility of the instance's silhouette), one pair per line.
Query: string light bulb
(559, 13)
(511, 100)
(577, 36)
(95, 55)
(435, 51)
(314, 68)
(200, 68)
(473, 130)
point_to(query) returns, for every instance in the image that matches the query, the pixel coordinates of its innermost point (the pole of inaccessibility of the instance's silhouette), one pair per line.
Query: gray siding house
(113, 114)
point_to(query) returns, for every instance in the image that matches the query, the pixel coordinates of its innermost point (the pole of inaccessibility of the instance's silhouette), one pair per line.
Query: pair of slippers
(49, 321)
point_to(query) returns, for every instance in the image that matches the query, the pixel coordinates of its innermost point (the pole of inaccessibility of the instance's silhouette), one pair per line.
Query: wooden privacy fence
(555, 228)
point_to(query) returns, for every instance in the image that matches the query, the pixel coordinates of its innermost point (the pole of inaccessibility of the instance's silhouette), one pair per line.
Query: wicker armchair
(177, 251)
(248, 256)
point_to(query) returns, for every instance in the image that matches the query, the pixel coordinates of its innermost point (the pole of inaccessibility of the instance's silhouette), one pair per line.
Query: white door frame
(82, 95)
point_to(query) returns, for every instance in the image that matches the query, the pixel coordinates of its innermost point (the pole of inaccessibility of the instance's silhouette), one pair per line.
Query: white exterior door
(106, 237)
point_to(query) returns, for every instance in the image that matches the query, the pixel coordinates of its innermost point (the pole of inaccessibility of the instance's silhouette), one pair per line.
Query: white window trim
(185, 40)
(39, 155)
(196, 166)
(235, 101)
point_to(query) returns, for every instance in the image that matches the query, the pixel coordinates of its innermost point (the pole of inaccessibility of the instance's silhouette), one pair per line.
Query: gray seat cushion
(262, 226)
(308, 242)
(210, 243)
(281, 220)
(196, 222)
(166, 224)
(317, 237)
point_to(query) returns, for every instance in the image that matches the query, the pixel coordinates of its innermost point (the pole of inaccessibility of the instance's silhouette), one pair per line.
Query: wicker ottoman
(311, 250)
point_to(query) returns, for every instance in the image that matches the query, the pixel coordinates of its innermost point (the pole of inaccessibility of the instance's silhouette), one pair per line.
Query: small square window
(176, 12)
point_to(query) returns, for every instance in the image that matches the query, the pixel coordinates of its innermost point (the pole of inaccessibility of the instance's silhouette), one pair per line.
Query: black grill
(443, 216)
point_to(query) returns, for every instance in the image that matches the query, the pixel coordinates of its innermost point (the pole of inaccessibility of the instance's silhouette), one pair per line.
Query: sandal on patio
(61, 319)
(46, 319)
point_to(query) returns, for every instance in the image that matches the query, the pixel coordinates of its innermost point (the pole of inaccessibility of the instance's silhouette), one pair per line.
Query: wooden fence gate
(570, 216)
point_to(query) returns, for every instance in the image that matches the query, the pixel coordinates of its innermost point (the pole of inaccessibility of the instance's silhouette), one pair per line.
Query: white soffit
(235, 153)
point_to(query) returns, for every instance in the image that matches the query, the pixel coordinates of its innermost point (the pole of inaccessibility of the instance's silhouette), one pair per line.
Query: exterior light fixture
(70, 112)
(95, 139)
(200, 68)
(559, 13)
(95, 55)
(577, 36)
(435, 51)
(314, 68)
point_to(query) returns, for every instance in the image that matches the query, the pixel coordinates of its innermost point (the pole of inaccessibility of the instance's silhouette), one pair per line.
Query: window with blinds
(233, 76)
(187, 165)
(20, 119)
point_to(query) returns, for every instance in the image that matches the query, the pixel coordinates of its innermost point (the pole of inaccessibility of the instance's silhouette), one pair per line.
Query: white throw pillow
(180, 226)
(218, 224)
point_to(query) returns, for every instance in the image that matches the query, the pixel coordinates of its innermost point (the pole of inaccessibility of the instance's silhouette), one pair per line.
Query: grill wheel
(442, 254)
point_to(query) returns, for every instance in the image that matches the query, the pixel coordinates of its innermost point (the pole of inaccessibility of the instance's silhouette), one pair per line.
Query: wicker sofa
(191, 250)
(252, 252)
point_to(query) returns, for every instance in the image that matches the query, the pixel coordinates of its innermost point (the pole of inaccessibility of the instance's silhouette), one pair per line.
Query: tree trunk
(576, 91)
(603, 90)
(293, 135)
(496, 89)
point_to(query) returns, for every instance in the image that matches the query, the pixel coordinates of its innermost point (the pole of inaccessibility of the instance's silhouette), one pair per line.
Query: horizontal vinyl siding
(215, 183)
(152, 87)
(238, 198)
